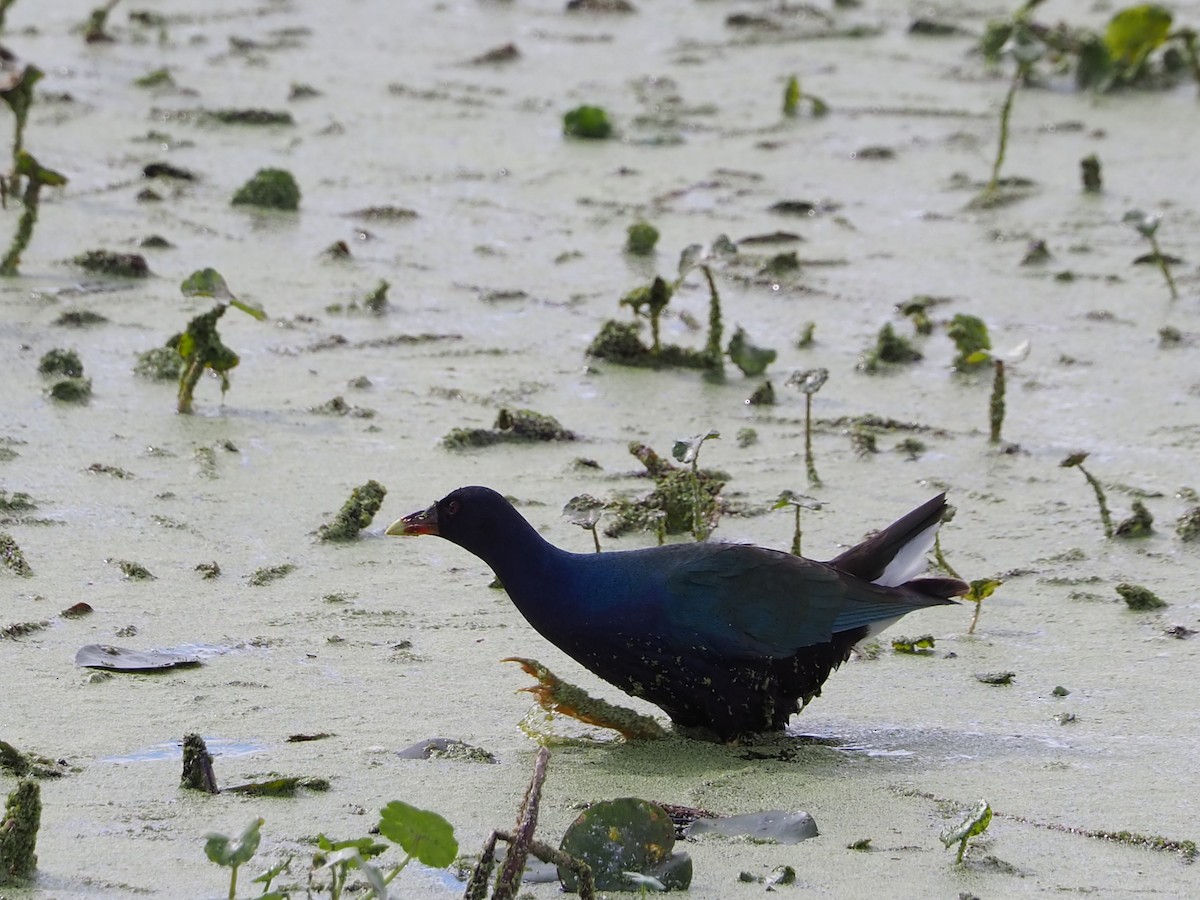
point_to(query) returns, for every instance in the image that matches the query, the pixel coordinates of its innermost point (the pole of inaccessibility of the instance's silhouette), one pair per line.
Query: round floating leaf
(421, 833)
(615, 837)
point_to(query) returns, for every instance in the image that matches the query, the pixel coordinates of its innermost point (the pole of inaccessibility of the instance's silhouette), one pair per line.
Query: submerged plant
(980, 590)
(703, 513)
(1146, 224)
(200, 345)
(797, 502)
(1075, 461)
(18, 832)
(973, 824)
(36, 177)
(809, 382)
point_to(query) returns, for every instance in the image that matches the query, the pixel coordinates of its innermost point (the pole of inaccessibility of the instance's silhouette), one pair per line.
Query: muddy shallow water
(498, 284)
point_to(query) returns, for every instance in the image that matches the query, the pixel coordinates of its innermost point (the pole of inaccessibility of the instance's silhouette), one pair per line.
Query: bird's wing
(746, 601)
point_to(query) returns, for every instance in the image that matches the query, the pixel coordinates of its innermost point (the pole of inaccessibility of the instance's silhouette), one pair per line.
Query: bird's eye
(452, 508)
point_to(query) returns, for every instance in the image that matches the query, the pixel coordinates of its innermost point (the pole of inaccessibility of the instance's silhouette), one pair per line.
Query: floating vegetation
(134, 571)
(159, 364)
(1089, 174)
(973, 824)
(356, 513)
(794, 99)
(61, 362)
(620, 840)
(916, 646)
(200, 346)
(18, 501)
(1146, 225)
(980, 590)
(585, 510)
(18, 832)
(383, 214)
(1140, 524)
(71, 390)
(587, 122)
(1188, 525)
(198, 772)
(267, 574)
(747, 356)
(208, 570)
(671, 508)
(558, 697)
(890, 348)
(512, 426)
(269, 189)
(996, 678)
(250, 117)
(1138, 598)
(108, 262)
(12, 557)
(970, 336)
(797, 502)
(80, 318)
(1075, 461)
(764, 395)
(36, 177)
(113, 471)
(808, 383)
(641, 238)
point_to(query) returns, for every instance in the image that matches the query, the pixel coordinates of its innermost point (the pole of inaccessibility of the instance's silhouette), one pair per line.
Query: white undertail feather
(909, 562)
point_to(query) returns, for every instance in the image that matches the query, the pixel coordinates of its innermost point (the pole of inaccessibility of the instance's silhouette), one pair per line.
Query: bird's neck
(529, 567)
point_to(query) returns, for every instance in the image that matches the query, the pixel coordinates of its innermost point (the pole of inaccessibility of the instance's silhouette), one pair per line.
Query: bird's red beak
(423, 522)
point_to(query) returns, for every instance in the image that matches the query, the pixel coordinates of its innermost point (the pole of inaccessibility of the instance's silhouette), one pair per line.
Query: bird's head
(472, 517)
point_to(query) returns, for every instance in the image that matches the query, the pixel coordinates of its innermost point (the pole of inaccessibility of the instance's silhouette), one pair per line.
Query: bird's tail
(894, 556)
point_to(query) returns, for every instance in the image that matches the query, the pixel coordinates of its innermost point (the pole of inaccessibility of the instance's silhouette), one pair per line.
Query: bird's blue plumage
(726, 638)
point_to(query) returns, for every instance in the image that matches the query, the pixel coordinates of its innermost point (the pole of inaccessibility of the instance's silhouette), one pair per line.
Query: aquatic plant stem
(940, 559)
(810, 463)
(1163, 266)
(1105, 515)
(712, 349)
(1005, 114)
(997, 402)
(796, 533)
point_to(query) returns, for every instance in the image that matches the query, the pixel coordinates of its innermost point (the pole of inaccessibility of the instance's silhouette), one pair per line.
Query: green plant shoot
(225, 851)
(1075, 461)
(972, 825)
(687, 451)
(980, 590)
(1146, 224)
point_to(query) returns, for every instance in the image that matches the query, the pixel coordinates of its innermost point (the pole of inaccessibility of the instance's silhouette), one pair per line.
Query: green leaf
(973, 824)
(206, 283)
(1136, 31)
(686, 450)
(421, 833)
(982, 589)
(225, 851)
(791, 96)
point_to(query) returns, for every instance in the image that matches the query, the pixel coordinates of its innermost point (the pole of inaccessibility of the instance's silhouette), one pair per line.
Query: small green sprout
(649, 301)
(269, 189)
(973, 824)
(36, 177)
(1075, 461)
(793, 96)
(970, 336)
(809, 382)
(981, 589)
(748, 356)
(1026, 50)
(233, 854)
(1146, 224)
(587, 122)
(640, 239)
(687, 451)
(889, 348)
(200, 345)
(797, 502)
(1139, 524)
(585, 510)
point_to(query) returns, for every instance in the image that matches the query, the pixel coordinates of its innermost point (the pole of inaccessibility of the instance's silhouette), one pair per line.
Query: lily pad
(121, 659)
(619, 837)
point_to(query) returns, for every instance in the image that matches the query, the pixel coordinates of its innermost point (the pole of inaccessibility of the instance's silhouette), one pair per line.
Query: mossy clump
(269, 189)
(970, 336)
(250, 117)
(918, 646)
(587, 122)
(267, 574)
(748, 356)
(61, 362)
(134, 571)
(159, 364)
(512, 426)
(71, 390)
(80, 318)
(671, 507)
(764, 395)
(356, 513)
(119, 265)
(18, 832)
(17, 502)
(1188, 525)
(1140, 524)
(12, 557)
(890, 348)
(641, 238)
(198, 772)
(1139, 598)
